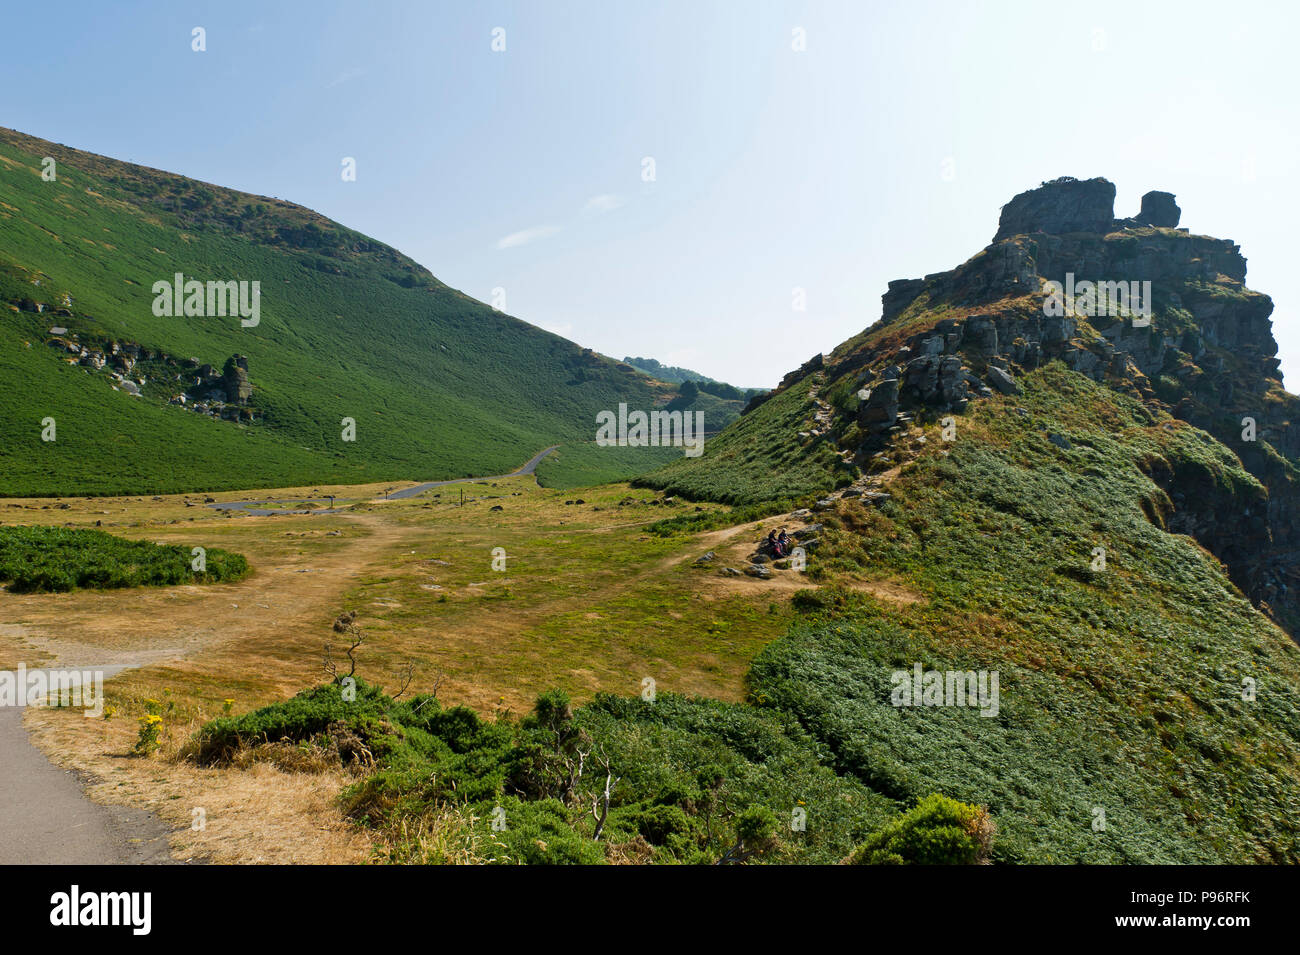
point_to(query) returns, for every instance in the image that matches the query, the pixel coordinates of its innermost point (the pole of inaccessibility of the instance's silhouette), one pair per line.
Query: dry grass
(259, 815)
(588, 602)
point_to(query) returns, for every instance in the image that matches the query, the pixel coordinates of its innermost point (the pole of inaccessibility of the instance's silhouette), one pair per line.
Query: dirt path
(45, 815)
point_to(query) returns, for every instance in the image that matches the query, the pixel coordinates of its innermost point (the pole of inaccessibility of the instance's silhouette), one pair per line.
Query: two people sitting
(779, 544)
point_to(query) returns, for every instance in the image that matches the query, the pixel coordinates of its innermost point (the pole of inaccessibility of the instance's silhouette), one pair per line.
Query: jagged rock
(729, 572)
(933, 345)
(901, 293)
(825, 504)
(759, 571)
(815, 363)
(879, 411)
(812, 530)
(705, 558)
(1159, 209)
(982, 334)
(1061, 206)
(1061, 441)
(235, 381)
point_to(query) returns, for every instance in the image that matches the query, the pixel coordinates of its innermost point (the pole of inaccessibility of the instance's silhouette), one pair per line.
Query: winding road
(259, 507)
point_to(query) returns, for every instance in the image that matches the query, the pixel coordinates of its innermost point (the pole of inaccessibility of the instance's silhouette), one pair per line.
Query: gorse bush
(689, 780)
(939, 831)
(55, 559)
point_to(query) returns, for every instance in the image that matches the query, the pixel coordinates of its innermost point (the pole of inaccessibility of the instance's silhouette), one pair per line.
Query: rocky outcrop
(879, 411)
(1061, 206)
(1187, 336)
(815, 363)
(235, 381)
(184, 383)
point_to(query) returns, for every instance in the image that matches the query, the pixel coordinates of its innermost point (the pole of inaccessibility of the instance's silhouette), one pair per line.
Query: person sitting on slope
(773, 544)
(783, 542)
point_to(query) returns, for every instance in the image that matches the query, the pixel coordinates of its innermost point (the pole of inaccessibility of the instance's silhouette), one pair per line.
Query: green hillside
(766, 455)
(439, 384)
(1071, 502)
(676, 375)
(1122, 689)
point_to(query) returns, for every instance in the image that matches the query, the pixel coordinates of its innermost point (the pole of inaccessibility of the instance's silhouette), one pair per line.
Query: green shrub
(540, 833)
(939, 831)
(41, 559)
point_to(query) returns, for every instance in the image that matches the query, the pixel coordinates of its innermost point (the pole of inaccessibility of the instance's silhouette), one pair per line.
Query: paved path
(259, 507)
(45, 818)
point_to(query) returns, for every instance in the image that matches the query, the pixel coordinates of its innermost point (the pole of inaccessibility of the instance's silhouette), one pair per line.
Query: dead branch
(610, 781)
(408, 675)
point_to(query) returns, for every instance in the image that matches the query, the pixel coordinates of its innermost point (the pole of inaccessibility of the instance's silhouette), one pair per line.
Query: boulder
(879, 410)
(1002, 381)
(1159, 209)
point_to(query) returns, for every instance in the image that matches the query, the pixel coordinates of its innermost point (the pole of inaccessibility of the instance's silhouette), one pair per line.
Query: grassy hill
(1123, 690)
(439, 384)
(1149, 699)
(766, 455)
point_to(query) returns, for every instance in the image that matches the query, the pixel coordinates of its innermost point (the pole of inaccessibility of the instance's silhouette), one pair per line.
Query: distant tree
(689, 391)
(721, 389)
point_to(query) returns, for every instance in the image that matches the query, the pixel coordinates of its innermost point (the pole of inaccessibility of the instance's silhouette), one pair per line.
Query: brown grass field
(588, 601)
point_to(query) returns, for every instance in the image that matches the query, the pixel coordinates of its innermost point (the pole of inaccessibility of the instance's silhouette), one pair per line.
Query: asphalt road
(259, 507)
(46, 819)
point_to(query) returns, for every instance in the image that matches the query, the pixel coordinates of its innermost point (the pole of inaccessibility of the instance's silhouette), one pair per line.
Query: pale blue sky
(776, 169)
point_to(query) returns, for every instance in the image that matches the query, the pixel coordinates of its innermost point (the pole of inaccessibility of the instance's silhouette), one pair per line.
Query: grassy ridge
(760, 457)
(440, 385)
(1121, 689)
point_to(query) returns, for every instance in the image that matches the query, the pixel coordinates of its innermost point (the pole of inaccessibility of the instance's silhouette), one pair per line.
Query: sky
(802, 151)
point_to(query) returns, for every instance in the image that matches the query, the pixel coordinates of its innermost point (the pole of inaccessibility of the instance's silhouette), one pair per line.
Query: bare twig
(408, 675)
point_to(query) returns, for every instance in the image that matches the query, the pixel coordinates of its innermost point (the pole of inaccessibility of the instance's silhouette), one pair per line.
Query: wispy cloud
(606, 202)
(346, 76)
(525, 236)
